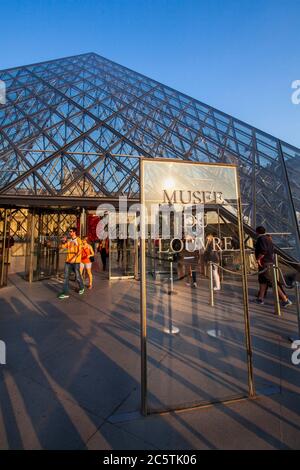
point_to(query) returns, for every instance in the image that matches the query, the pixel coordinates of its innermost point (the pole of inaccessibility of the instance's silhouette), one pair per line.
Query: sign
(189, 197)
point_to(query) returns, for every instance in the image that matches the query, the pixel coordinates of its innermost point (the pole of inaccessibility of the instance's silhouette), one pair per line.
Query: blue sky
(240, 56)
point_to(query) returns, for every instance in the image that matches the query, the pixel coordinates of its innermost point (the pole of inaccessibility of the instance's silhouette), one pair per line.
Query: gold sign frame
(143, 286)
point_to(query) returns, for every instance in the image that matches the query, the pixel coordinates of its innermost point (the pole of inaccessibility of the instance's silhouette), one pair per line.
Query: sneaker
(195, 284)
(81, 291)
(286, 303)
(217, 288)
(259, 301)
(63, 296)
(188, 284)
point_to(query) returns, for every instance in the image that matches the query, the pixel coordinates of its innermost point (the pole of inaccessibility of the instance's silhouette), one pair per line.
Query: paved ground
(72, 379)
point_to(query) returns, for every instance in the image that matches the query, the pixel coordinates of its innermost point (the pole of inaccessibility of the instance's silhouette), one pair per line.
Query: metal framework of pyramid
(70, 128)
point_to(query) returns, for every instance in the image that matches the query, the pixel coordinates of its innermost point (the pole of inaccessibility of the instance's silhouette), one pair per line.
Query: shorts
(86, 265)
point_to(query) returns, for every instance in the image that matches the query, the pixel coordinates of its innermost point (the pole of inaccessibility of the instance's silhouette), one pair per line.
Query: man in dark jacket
(264, 253)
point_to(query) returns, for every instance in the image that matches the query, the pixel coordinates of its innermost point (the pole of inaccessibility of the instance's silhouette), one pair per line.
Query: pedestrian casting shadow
(53, 358)
(72, 358)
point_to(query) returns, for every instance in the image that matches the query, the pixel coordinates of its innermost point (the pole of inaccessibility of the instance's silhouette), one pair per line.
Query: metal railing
(276, 273)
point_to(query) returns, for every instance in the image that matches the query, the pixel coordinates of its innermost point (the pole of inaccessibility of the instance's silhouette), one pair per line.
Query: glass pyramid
(70, 128)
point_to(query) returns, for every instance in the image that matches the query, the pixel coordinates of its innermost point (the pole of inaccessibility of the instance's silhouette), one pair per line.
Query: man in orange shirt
(73, 249)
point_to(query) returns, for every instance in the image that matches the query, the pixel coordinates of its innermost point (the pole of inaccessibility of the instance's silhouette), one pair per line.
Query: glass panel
(196, 348)
(272, 200)
(6, 242)
(267, 353)
(292, 164)
(123, 254)
(44, 258)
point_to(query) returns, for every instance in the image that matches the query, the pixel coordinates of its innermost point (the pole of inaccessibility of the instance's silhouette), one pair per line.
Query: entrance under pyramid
(72, 132)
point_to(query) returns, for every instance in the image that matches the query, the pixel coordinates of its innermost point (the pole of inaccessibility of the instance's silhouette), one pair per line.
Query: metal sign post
(297, 286)
(297, 292)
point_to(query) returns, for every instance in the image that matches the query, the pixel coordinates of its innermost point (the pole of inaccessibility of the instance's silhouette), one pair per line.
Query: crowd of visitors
(80, 255)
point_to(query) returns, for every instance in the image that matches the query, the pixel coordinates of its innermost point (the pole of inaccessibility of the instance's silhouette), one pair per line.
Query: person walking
(264, 254)
(190, 258)
(120, 249)
(212, 256)
(103, 249)
(73, 248)
(87, 257)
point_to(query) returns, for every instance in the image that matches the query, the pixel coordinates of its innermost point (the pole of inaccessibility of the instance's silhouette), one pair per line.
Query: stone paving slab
(72, 379)
(34, 417)
(244, 425)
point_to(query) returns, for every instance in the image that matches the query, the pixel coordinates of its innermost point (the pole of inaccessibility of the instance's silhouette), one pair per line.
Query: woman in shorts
(87, 255)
